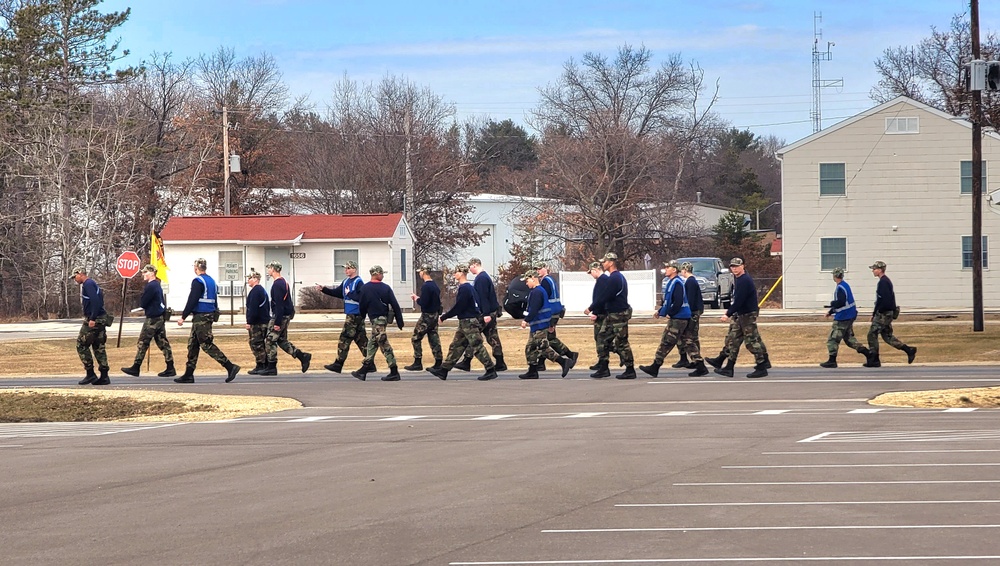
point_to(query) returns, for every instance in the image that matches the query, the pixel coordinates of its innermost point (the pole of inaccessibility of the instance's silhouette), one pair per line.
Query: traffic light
(993, 75)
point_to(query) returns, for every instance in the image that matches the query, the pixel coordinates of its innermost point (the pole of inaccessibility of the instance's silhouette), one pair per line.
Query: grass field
(790, 343)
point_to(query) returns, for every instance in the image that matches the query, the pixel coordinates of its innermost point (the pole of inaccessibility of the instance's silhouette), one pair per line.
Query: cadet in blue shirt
(613, 300)
(678, 312)
(557, 309)
(354, 324)
(92, 334)
(470, 326)
(489, 304)
(597, 315)
(375, 300)
(429, 301)
(258, 314)
(537, 316)
(844, 312)
(282, 312)
(742, 318)
(154, 306)
(202, 306)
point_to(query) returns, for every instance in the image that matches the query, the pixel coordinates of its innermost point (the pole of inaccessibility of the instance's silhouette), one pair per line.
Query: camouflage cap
(672, 263)
(376, 269)
(838, 272)
(253, 274)
(150, 268)
(877, 265)
(78, 270)
(529, 274)
(610, 256)
(594, 265)
(201, 263)
(425, 268)
(275, 265)
(475, 261)
(735, 261)
(350, 265)
(687, 266)
(462, 267)
(540, 265)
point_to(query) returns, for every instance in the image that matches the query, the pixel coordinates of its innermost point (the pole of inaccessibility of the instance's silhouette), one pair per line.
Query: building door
(279, 255)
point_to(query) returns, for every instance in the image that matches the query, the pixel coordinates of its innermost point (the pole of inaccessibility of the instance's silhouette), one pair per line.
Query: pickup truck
(714, 278)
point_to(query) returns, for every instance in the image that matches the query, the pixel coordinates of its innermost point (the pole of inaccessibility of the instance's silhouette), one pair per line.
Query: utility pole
(977, 181)
(407, 126)
(818, 83)
(225, 158)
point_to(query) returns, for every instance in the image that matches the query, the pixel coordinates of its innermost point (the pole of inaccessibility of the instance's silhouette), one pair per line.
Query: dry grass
(985, 397)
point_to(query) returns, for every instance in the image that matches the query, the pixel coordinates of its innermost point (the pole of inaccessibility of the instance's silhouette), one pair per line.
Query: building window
(832, 253)
(402, 264)
(902, 125)
(402, 231)
(967, 252)
(340, 257)
(967, 178)
(832, 179)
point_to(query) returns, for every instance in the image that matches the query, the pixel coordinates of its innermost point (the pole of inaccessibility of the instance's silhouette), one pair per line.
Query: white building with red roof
(311, 249)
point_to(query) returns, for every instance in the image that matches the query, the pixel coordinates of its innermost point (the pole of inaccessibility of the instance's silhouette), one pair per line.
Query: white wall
(577, 290)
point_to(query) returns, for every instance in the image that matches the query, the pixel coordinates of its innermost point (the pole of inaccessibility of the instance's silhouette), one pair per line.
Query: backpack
(516, 300)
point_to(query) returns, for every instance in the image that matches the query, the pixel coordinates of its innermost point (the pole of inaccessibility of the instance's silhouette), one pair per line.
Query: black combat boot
(437, 363)
(393, 374)
(417, 365)
(602, 370)
(831, 363)
(726, 371)
(629, 373)
(681, 363)
(873, 361)
(717, 361)
(233, 369)
(865, 352)
(304, 358)
(464, 365)
(911, 353)
(653, 369)
(188, 376)
(541, 364)
(491, 373)
(567, 364)
(575, 356)
(362, 372)
(104, 379)
(699, 369)
(256, 368)
(532, 372)
(271, 368)
(169, 372)
(759, 370)
(597, 365)
(767, 361)
(335, 367)
(500, 365)
(90, 378)
(438, 372)
(132, 370)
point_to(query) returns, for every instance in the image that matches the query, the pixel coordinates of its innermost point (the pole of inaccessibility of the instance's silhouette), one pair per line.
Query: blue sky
(490, 58)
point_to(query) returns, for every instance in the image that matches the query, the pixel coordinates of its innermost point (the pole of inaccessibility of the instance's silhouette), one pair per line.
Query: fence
(577, 290)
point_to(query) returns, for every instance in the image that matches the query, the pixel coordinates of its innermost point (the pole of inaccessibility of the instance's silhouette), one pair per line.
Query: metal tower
(818, 83)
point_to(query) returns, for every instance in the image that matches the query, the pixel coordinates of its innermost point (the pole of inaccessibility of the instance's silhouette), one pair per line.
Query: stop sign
(127, 264)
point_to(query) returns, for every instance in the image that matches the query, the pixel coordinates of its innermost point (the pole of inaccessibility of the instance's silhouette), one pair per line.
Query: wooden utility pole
(225, 158)
(977, 181)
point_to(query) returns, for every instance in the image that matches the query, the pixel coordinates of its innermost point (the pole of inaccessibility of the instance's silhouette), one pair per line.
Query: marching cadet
(354, 323)
(282, 313)
(690, 342)
(470, 321)
(258, 317)
(614, 301)
(742, 318)
(558, 311)
(429, 301)
(154, 306)
(678, 312)
(202, 303)
(490, 306)
(374, 300)
(844, 312)
(537, 316)
(597, 315)
(92, 334)
(882, 317)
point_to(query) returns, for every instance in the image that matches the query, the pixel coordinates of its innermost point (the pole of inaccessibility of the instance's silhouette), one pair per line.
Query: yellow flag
(156, 256)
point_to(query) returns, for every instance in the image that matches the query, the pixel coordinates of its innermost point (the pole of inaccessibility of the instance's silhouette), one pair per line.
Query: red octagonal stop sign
(127, 264)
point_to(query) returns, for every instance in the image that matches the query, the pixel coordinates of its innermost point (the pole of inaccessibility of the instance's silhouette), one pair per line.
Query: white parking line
(944, 465)
(879, 451)
(769, 503)
(960, 410)
(864, 411)
(772, 412)
(583, 415)
(793, 559)
(493, 417)
(403, 418)
(781, 528)
(309, 419)
(675, 414)
(811, 483)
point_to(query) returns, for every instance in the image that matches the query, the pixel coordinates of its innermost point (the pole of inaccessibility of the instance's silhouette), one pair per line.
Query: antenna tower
(816, 114)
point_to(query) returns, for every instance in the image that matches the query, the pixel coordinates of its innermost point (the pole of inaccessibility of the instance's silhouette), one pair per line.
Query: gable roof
(872, 111)
(285, 228)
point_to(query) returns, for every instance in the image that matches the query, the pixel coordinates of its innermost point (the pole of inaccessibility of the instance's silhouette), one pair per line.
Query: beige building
(893, 183)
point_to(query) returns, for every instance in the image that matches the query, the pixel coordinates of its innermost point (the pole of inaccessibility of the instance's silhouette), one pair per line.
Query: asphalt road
(794, 468)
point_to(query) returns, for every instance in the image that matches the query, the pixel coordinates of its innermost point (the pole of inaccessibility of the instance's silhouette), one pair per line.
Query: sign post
(127, 266)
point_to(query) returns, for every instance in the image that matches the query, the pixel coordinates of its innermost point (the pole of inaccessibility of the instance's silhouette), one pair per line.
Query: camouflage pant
(258, 337)
(604, 346)
(279, 339)
(492, 338)
(201, 338)
(842, 330)
(743, 329)
(615, 330)
(539, 346)
(555, 342)
(153, 330)
(92, 339)
(380, 341)
(353, 331)
(882, 326)
(426, 326)
(671, 335)
(690, 344)
(467, 337)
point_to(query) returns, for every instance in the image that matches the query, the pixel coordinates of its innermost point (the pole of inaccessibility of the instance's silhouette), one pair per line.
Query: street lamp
(759, 210)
